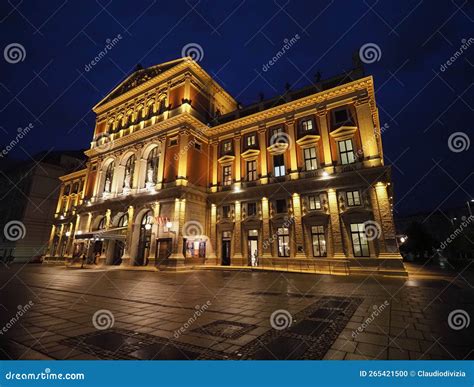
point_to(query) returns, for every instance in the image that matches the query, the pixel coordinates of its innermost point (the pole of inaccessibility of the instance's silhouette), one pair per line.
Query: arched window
(101, 225)
(152, 167)
(144, 242)
(109, 175)
(129, 171)
(162, 105)
(123, 221)
(147, 219)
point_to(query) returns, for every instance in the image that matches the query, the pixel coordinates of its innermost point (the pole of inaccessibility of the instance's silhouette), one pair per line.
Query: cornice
(289, 108)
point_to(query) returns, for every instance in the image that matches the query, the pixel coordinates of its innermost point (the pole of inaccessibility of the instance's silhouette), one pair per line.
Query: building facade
(180, 174)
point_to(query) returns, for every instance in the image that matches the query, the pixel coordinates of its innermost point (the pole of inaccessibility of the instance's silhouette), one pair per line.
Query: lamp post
(469, 206)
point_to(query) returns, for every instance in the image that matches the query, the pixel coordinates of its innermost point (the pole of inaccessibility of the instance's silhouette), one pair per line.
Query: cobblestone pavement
(230, 315)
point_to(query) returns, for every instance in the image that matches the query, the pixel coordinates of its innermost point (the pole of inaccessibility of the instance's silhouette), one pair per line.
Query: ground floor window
(195, 248)
(359, 240)
(318, 241)
(283, 241)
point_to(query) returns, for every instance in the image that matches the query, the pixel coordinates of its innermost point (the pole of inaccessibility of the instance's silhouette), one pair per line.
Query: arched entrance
(119, 245)
(144, 239)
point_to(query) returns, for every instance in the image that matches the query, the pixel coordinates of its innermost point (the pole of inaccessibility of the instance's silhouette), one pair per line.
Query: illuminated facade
(180, 175)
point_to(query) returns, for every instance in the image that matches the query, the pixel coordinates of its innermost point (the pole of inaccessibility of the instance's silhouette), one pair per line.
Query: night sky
(420, 105)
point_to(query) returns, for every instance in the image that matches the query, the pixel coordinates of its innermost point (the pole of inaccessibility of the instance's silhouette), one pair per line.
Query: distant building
(451, 230)
(28, 199)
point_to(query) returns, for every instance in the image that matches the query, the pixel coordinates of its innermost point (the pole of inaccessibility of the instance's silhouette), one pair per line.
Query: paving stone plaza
(64, 313)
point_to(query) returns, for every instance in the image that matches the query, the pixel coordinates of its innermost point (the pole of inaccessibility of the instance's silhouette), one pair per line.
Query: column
(335, 224)
(383, 214)
(237, 161)
(154, 233)
(290, 124)
(183, 159)
(117, 180)
(266, 242)
(51, 238)
(107, 245)
(367, 133)
(211, 258)
(237, 258)
(161, 164)
(128, 240)
(214, 165)
(324, 132)
(263, 155)
(176, 259)
(139, 177)
(298, 226)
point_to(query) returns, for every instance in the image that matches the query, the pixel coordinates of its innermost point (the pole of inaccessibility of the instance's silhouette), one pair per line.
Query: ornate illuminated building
(179, 174)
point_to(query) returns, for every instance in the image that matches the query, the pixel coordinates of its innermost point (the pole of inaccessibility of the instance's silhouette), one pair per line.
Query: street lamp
(469, 206)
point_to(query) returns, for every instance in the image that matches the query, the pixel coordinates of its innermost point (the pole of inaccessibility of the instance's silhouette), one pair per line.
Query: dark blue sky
(421, 105)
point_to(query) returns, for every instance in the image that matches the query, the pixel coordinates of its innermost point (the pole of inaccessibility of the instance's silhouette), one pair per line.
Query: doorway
(163, 249)
(226, 236)
(119, 248)
(144, 239)
(252, 241)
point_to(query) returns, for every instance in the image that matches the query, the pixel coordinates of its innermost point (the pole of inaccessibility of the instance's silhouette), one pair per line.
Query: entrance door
(163, 249)
(226, 235)
(118, 252)
(253, 247)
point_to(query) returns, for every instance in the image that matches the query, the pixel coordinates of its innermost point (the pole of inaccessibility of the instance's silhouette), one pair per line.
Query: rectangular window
(310, 160)
(251, 170)
(341, 116)
(173, 142)
(353, 198)
(226, 212)
(251, 140)
(314, 202)
(227, 147)
(279, 165)
(280, 205)
(306, 125)
(251, 209)
(319, 241)
(346, 152)
(359, 240)
(227, 175)
(283, 242)
(197, 145)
